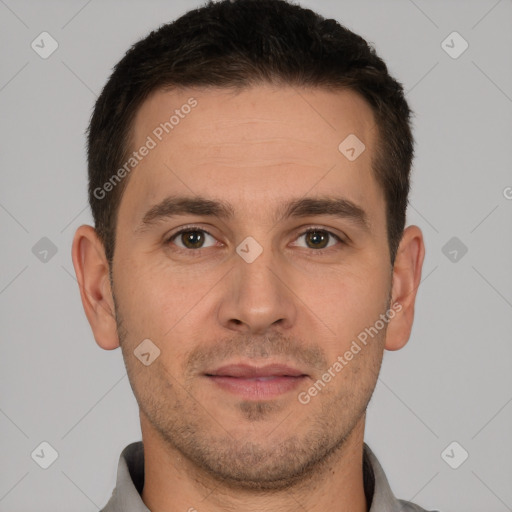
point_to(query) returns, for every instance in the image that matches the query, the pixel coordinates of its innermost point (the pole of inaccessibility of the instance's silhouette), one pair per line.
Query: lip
(247, 371)
(256, 383)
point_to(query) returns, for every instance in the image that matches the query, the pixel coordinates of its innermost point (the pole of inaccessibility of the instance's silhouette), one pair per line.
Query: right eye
(191, 238)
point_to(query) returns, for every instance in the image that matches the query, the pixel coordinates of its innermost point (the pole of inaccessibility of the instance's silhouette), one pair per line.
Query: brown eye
(191, 238)
(318, 239)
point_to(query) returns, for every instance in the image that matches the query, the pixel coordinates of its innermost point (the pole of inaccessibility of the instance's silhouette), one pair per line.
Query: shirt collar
(126, 496)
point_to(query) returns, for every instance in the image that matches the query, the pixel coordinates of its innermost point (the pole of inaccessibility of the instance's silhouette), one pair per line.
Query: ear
(92, 273)
(406, 279)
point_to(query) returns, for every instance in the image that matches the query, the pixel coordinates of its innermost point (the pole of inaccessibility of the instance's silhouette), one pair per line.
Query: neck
(173, 483)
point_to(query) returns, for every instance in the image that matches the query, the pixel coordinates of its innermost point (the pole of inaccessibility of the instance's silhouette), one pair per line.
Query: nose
(258, 295)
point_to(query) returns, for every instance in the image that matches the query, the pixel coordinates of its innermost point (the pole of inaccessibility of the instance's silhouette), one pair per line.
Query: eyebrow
(173, 206)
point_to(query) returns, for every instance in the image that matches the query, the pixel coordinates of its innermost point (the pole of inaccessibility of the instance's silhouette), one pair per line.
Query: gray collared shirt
(130, 481)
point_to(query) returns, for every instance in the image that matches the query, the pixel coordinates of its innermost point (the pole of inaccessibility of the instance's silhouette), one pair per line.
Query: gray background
(452, 382)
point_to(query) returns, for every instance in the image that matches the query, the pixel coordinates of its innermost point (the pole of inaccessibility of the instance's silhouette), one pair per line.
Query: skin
(206, 448)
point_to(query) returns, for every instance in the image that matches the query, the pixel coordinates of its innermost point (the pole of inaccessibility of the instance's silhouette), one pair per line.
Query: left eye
(319, 238)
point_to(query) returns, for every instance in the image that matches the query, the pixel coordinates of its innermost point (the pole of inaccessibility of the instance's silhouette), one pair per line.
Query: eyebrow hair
(173, 206)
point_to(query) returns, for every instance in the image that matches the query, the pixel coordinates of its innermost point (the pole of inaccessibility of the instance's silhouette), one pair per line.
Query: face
(256, 290)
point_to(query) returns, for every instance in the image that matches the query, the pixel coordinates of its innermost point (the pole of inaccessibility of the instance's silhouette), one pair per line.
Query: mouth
(256, 383)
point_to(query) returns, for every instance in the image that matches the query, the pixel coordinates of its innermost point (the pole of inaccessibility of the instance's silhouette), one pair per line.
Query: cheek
(163, 304)
(146, 298)
(353, 300)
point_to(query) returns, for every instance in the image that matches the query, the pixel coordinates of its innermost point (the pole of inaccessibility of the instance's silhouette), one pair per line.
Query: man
(248, 177)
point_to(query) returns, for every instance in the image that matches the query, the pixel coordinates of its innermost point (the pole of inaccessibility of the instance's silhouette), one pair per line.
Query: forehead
(259, 117)
(259, 143)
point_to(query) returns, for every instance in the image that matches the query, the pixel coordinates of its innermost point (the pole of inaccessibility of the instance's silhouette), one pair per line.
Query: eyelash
(318, 252)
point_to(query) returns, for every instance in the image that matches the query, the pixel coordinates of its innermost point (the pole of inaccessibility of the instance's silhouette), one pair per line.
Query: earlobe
(92, 273)
(406, 280)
